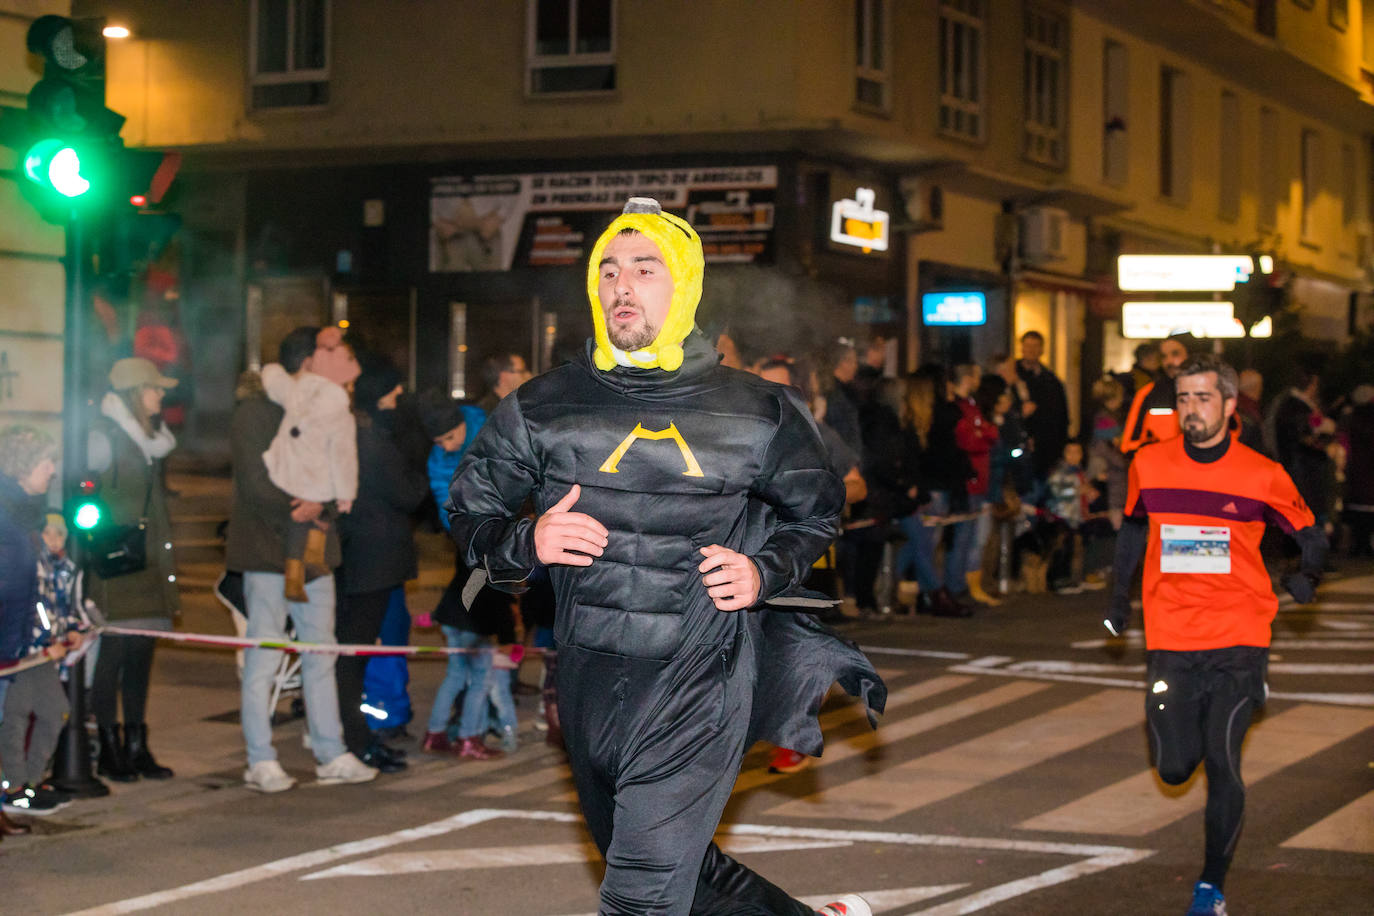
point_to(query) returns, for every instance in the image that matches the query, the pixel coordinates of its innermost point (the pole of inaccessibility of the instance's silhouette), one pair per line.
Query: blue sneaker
(1207, 901)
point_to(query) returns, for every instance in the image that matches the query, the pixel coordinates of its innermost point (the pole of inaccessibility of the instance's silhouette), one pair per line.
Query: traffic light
(74, 143)
(87, 512)
(1261, 296)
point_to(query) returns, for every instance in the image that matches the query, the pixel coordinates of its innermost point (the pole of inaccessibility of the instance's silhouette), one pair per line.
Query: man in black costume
(672, 494)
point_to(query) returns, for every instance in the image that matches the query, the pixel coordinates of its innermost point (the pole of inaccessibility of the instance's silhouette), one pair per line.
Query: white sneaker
(848, 905)
(267, 776)
(345, 768)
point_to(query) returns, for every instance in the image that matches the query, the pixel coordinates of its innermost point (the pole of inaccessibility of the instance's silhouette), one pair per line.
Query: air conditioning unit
(1044, 233)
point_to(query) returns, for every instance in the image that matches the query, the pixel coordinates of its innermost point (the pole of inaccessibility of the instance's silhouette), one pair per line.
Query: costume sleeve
(806, 496)
(483, 508)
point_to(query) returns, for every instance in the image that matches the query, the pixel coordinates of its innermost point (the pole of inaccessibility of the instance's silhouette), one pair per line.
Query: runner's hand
(1118, 616)
(1300, 586)
(568, 538)
(735, 583)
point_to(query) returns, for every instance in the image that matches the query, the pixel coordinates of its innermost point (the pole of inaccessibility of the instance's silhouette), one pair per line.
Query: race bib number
(1194, 549)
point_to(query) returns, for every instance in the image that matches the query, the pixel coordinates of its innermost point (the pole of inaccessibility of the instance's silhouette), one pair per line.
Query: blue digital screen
(961, 308)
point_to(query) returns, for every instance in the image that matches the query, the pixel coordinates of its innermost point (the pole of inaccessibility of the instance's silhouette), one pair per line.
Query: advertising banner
(551, 219)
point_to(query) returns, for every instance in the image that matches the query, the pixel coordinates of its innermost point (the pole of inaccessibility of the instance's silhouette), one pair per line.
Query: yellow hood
(681, 250)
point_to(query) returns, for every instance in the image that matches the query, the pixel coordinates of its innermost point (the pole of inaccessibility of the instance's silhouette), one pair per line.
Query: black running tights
(1198, 707)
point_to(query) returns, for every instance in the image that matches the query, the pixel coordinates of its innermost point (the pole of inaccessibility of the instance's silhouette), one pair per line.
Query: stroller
(287, 678)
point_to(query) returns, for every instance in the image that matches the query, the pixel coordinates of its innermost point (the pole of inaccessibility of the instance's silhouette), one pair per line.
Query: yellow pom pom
(670, 358)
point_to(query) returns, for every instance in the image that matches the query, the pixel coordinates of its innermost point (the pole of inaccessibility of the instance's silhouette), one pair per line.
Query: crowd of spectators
(964, 483)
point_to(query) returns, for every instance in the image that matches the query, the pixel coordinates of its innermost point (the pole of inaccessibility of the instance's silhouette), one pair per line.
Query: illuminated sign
(962, 308)
(1194, 273)
(855, 222)
(1157, 320)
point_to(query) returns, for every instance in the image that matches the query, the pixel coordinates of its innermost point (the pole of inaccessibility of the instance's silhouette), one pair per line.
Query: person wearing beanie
(125, 451)
(378, 554)
(453, 426)
(679, 506)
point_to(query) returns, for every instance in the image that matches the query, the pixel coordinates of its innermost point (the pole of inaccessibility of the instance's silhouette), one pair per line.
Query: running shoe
(1207, 901)
(787, 761)
(848, 905)
(26, 801)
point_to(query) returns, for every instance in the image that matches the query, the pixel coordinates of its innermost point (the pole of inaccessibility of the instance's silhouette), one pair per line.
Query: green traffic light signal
(56, 164)
(87, 516)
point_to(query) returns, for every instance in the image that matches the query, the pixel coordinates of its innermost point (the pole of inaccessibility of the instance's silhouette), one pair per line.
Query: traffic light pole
(72, 765)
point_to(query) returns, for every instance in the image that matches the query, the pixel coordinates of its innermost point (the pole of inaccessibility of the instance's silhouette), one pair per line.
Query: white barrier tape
(506, 656)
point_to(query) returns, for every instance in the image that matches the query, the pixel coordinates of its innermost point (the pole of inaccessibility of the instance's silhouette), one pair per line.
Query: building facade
(31, 252)
(434, 172)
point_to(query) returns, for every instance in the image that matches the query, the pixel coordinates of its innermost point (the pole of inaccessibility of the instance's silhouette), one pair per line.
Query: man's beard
(1197, 432)
(631, 338)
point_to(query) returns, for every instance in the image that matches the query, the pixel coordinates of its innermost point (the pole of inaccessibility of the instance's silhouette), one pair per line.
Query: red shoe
(437, 743)
(477, 749)
(788, 761)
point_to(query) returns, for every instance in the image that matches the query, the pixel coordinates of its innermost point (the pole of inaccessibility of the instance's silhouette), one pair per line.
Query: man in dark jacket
(671, 494)
(1048, 422)
(378, 553)
(256, 548)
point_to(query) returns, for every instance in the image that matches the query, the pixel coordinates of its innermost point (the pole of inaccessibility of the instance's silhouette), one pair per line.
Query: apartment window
(1228, 203)
(961, 68)
(571, 46)
(1046, 75)
(1311, 184)
(1115, 108)
(1270, 180)
(1174, 134)
(870, 53)
(1338, 14)
(290, 53)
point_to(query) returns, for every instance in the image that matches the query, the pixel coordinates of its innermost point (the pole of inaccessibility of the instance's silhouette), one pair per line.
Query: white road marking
(1095, 858)
(962, 767)
(435, 860)
(903, 728)
(990, 661)
(889, 900)
(313, 859)
(1347, 625)
(1140, 804)
(1350, 829)
(1334, 699)
(914, 653)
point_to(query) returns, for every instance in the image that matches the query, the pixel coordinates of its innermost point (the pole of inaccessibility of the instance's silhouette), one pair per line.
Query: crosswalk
(888, 776)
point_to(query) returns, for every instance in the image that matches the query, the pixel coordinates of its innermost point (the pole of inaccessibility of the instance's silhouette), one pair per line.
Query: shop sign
(1191, 273)
(551, 219)
(962, 308)
(858, 223)
(1157, 320)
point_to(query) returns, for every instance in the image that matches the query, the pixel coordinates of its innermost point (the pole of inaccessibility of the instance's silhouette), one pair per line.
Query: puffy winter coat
(669, 462)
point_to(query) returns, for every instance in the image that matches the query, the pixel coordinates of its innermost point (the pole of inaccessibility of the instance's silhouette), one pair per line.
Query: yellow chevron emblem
(611, 466)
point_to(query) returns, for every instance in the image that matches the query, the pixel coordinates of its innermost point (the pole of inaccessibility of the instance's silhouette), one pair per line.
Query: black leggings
(357, 621)
(1198, 706)
(122, 671)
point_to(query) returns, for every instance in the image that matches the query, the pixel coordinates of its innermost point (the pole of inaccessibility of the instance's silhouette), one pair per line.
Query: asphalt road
(1009, 776)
